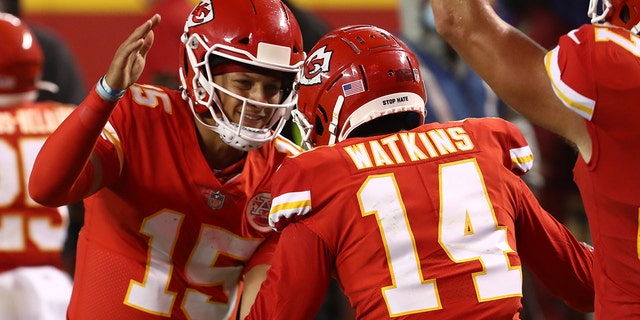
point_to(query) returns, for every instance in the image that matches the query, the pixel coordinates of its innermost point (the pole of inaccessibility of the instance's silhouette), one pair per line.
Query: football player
(176, 183)
(415, 221)
(585, 90)
(33, 284)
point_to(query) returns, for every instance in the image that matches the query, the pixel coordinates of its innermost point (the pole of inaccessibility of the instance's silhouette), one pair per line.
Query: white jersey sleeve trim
(573, 100)
(522, 158)
(288, 205)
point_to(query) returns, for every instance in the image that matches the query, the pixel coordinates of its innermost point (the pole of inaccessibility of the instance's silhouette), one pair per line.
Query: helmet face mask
(259, 34)
(352, 76)
(621, 13)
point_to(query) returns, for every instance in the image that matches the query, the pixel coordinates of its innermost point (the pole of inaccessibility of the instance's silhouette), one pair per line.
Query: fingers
(143, 30)
(148, 35)
(142, 37)
(128, 61)
(146, 44)
(155, 19)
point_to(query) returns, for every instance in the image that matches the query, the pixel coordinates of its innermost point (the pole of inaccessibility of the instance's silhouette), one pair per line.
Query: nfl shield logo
(216, 200)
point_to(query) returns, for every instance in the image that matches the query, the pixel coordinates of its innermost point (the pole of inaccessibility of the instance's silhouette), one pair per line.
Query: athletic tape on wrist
(107, 93)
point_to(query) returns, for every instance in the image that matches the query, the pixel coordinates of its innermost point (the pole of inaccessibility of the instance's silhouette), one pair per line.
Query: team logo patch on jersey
(258, 211)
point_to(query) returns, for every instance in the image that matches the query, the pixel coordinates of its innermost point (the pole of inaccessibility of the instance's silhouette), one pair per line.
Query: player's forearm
(457, 20)
(252, 282)
(62, 172)
(556, 257)
(481, 38)
(494, 49)
(510, 62)
(298, 279)
(568, 273)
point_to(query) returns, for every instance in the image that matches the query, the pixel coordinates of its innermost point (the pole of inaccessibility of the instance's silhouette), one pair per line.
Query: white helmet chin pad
(243, 138)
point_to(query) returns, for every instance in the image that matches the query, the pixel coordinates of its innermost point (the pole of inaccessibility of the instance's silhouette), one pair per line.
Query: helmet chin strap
(333, 125)
(304, 127)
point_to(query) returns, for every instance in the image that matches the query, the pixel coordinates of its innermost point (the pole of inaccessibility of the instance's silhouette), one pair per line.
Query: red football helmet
(254, 33)
(352, 76)
(20, 60)
(622, 13)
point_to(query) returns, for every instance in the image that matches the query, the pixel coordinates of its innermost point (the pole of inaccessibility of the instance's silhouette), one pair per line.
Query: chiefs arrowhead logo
(317, 64)
(201, 14)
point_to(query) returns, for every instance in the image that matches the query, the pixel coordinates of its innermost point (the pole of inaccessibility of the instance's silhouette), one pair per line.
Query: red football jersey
(426, 224)
(30, 234)
(594, 71)
(169, 239)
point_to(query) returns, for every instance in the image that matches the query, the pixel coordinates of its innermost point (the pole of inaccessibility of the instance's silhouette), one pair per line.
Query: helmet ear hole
(625, 15)
(321, 118)
(318, 126)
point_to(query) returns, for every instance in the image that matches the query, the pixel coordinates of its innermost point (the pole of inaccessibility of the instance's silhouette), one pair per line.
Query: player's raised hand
(129, 60)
